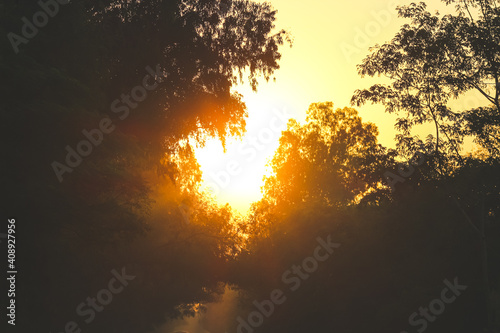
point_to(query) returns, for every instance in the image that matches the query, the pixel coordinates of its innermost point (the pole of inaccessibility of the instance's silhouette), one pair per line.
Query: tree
(201, 45)
(332, 160)
(432, 60)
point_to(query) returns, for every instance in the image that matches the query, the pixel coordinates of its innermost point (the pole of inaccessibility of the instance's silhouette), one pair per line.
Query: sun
(236, 177)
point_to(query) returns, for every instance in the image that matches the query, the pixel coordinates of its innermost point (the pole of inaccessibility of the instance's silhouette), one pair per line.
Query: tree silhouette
(330, 161)
(432, 60)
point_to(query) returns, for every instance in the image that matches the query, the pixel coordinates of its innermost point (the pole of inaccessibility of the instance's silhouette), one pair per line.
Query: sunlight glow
(236, 177)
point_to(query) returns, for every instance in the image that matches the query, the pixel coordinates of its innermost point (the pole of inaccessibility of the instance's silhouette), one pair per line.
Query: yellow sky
(330, 39)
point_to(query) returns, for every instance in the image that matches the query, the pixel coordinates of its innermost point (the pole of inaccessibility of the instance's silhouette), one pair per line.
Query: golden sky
(330, 39)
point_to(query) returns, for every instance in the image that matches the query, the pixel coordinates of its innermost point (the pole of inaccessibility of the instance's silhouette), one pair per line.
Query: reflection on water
(217, 317)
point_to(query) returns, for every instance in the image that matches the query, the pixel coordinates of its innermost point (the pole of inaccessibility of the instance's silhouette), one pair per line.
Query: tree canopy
(330, 160)
(432, 60)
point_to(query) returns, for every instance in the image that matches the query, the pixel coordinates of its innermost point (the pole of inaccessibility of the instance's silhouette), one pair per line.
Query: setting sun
(236, 176)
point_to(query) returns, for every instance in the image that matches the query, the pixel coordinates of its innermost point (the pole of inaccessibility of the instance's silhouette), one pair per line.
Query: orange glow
(235, 177)
(330, 39)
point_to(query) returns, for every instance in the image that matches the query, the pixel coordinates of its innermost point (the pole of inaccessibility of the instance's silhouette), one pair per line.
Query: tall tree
(332, 160)
(432, 60)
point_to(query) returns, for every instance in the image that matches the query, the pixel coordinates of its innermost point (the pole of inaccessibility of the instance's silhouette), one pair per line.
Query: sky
(330, 39)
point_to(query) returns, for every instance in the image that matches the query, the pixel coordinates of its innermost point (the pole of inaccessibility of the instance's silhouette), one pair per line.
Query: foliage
(332, 160)
(432, 60)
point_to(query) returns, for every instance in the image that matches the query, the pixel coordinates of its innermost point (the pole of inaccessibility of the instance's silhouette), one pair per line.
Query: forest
(102, 104)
